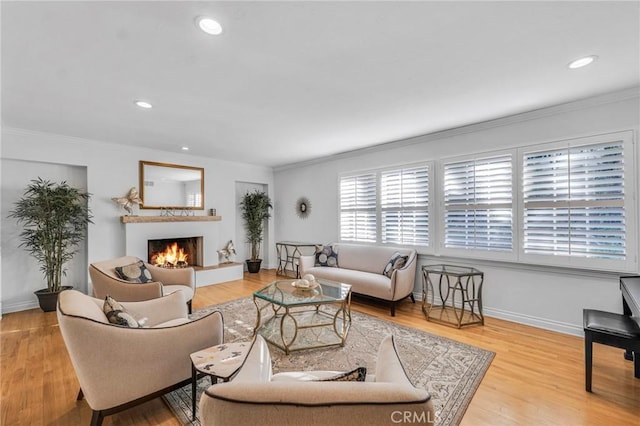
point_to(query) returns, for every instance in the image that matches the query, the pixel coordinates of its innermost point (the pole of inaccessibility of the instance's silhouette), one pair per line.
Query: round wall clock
(303, 207)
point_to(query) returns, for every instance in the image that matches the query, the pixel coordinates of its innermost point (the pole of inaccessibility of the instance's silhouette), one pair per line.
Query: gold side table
(288, 254)
(452, 295)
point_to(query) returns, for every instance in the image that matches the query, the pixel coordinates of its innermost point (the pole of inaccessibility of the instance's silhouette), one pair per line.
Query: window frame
(432, 200)
(629, 264)
(474, 252)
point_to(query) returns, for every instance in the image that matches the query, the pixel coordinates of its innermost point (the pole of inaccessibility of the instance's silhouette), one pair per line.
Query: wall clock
(303, 207)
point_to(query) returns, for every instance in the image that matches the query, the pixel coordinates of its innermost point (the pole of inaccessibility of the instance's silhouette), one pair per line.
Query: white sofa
(362, 266)
(255, 396)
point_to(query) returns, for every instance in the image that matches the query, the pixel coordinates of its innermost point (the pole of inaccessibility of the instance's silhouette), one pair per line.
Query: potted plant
(55, 218)
(255, 212)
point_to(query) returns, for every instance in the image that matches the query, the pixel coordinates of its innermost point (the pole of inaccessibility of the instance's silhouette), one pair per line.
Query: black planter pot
(253, 266)
(49, 300)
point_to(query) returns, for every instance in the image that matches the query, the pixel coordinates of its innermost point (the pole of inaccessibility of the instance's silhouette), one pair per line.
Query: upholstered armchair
(119, 367)
(256, 396)
(165, 281)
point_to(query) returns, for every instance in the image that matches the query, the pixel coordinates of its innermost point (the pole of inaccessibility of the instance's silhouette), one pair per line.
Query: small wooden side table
(219, 362)
(459, 291)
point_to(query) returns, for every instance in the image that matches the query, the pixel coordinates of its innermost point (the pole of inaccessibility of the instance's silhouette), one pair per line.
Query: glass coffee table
(293, 318)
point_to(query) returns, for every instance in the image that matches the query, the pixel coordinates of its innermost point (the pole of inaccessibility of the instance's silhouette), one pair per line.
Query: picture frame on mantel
(171, 186)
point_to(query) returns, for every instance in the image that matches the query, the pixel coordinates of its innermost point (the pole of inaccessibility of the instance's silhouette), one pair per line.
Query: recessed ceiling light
(582, 62)
(185, 148)
(208, 25)
(143, 104)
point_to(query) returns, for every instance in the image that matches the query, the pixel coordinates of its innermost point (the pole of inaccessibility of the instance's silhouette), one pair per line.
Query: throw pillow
(397, 261)
(117, 314)
(135, 273)
(327, 256)
(357, 375)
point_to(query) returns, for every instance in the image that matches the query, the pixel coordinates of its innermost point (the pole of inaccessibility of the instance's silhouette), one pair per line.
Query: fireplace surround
(139, 229)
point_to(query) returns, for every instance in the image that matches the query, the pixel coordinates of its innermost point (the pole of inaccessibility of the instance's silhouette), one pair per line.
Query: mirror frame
(170, 166)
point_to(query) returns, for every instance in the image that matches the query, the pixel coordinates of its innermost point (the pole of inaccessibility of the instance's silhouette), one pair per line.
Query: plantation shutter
(358, 208)
(574, 201)
(404, 206)
(479, 204)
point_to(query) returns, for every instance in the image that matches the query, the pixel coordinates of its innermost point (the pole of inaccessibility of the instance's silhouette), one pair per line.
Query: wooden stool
(610, 329)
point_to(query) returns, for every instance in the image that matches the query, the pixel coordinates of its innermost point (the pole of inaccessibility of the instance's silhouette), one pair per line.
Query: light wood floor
(537, 376)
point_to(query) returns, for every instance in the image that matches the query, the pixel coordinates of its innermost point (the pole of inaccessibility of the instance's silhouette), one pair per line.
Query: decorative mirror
(171, 186)
(303, 207)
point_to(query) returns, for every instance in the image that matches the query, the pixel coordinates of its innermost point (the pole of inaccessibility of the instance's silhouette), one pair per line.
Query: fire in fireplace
(175, 252)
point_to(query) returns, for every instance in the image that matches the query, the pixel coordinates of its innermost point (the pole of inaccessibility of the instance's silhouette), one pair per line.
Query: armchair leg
(413, 299)
(189, 306)
(97, 418)
(80, 395)
(393, 309)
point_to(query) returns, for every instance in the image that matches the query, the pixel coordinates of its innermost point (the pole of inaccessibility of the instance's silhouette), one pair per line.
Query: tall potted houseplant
(55, 218)
(255, 213)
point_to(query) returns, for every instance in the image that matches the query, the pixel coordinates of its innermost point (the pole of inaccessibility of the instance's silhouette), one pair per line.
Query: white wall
(547, 297)
(21, 273)
(111, 170)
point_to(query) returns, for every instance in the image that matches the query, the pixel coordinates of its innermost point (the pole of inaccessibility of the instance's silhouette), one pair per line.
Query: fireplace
(175, 252)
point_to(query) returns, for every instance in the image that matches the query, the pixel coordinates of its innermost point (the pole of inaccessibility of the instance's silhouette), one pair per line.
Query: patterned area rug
(451, 371)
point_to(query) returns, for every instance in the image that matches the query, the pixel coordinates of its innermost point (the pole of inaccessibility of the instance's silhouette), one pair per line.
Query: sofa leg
(189, 306)
(80, 395)
(97, 418)
(393, 309)
(413, 299)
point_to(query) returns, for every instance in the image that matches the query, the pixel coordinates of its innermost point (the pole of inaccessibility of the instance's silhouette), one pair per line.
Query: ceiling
(292, 81)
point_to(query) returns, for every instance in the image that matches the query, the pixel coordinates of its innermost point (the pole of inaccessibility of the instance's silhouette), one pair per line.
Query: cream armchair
(119, 367)
(256, 396)
(165, 281)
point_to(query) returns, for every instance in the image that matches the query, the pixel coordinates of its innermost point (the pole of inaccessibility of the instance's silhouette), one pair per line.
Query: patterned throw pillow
(357, 375)
(397, 261)
(117, 314)
(327, 256)
(135, 273)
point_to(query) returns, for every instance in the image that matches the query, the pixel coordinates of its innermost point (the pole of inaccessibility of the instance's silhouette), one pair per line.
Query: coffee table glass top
(284, 293)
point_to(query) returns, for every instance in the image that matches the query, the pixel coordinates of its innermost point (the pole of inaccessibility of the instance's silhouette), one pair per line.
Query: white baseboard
(533, 321)
(7, 308)
(544, 323)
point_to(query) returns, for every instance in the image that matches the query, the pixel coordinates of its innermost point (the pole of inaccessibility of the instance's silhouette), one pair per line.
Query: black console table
(457, 299)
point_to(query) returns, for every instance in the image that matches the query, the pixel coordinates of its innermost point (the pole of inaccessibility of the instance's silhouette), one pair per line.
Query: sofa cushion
(366, 258)
(397, 261)
(327, 256)
(117, 314)
(135, 272)
(372, 284)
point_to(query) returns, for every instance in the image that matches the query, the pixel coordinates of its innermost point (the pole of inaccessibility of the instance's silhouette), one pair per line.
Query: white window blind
(478, 204)
(574, 202)
(404, 205)
(358, 208)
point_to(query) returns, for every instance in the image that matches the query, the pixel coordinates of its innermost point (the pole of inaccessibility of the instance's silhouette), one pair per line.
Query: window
(358, 208)
(387, 206)
(404, 206)
(478, 204)
(574, 201)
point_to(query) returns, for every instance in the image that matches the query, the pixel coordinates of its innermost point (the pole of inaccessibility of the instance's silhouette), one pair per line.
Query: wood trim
(153, 219)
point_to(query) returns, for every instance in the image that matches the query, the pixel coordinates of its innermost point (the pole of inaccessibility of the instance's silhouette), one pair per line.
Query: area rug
(451, 371)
